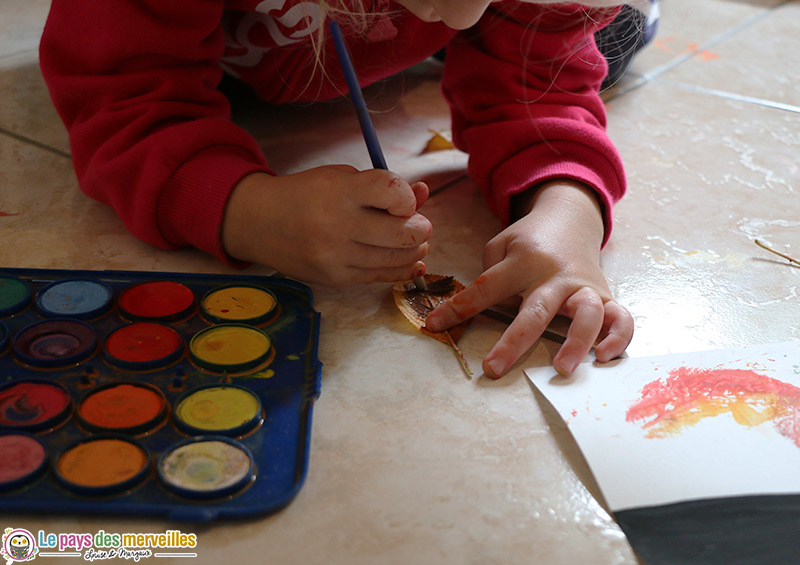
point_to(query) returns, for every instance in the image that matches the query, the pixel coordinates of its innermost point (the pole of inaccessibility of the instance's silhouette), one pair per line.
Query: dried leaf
(439, 142)
(417, 304)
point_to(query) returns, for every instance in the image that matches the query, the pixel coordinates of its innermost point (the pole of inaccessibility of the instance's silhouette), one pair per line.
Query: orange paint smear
(465, 300)
(667, 45)
(704, 55)
(689, 395)
(662, 44)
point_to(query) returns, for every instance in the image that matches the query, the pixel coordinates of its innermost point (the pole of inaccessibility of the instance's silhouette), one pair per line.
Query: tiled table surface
(412, 462)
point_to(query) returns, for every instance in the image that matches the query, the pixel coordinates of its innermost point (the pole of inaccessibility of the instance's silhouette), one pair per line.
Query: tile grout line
(732, 96)
(727, 34)
(38, 144)
(658, 71)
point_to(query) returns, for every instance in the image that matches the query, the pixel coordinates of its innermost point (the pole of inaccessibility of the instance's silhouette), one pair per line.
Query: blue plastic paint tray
(156, 394)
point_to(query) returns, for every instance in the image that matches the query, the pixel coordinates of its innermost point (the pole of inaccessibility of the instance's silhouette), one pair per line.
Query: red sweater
(135, 82)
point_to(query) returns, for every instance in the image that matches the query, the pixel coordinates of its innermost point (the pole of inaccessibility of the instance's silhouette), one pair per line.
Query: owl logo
(18, 545)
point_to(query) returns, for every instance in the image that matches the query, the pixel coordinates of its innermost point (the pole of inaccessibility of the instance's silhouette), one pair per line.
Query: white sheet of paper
(699, 449)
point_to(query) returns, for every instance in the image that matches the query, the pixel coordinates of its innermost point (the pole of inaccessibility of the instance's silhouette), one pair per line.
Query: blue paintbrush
(367, 129)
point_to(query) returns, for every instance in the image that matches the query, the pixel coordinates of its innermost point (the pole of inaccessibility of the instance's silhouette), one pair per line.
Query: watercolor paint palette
(160, 394)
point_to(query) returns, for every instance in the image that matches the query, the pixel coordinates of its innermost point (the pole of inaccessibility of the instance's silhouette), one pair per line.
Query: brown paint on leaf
(416, 305)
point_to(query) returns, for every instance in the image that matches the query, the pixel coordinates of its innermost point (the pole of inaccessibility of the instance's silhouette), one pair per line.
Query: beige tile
(760, 61)
(21, 25)
(52, 224)
(687, 25)
(27, 110)
(707, 176)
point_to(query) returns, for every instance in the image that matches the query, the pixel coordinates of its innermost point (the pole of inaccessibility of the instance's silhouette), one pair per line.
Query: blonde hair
(353, 11)
(358, 16)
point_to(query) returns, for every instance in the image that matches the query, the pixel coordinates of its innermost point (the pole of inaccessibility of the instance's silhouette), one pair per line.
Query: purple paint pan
(55, 343)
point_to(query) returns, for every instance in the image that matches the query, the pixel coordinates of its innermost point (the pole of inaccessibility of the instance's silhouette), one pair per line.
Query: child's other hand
(550, 258)
(333, 225)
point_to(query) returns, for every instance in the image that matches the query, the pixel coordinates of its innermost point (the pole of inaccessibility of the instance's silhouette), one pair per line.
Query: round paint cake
(206, 467)
(240, 303)
(75, 298)
(124, 408)
(24, 459)
(33, 405)
(102, 465)
(157, 300)
(143, 346)
(230, 348)
(15, 295)
(55, 343)
(225, 409)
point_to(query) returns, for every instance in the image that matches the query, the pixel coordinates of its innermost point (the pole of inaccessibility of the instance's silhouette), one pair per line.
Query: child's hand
(549, 257)
(333, 225)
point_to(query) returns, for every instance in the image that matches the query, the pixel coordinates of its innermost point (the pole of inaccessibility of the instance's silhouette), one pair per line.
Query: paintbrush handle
(367, 129)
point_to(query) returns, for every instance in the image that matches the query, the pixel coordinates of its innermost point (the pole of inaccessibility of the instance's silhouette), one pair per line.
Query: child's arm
(534, 126)
(135, 82)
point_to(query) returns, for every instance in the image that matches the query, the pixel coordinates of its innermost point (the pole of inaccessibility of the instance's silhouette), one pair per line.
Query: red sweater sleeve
(523, 87)
(135, 83)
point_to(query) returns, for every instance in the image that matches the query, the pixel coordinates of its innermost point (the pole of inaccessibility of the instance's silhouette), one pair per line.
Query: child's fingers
(345, 275)
(404, 273)
(376, 227)
(618, 324)
(488, 289)
(385, 190)
(373, 257)
(585, 308)
(534, 315)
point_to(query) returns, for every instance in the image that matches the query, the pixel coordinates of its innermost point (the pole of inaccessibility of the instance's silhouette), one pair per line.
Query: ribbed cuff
(192, 204)
(525, 170)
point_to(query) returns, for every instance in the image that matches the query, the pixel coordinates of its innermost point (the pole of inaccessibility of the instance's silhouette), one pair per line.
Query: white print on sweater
(281, 28)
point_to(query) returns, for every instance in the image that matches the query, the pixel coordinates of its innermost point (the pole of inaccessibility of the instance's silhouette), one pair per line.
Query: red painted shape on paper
(689, 395)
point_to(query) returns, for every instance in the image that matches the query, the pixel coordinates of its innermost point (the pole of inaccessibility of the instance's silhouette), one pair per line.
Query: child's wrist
(562, 197)
(523, 203)
(235, 232)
